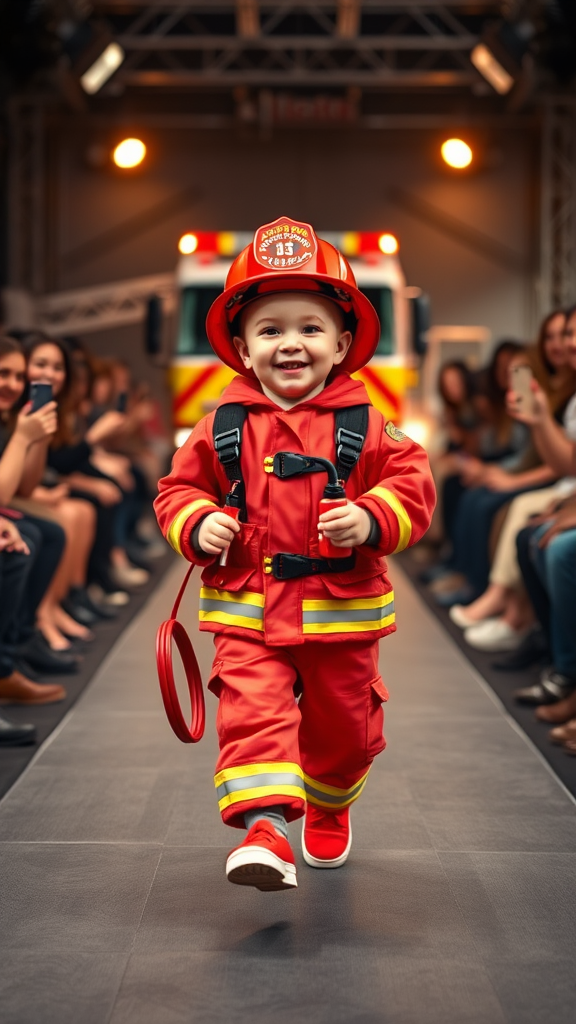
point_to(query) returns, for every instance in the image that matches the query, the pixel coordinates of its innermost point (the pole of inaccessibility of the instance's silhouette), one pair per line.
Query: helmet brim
(366, 334)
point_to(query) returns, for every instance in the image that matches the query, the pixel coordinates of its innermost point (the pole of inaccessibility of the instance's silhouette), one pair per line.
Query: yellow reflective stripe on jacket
(254, 781)
(232, 609)
(357, 615)
(331, 796)
(177, 524)
(404, 522)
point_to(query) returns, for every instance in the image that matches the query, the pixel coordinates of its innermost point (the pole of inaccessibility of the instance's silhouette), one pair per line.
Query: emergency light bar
(230, 243)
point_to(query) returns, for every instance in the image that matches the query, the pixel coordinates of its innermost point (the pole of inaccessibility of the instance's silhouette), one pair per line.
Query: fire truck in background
(197, 377)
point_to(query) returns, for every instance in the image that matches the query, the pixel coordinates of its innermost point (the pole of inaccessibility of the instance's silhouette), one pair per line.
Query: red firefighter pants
(277, 751)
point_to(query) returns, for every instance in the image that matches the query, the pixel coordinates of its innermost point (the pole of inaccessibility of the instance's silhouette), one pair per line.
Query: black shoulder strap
(227, 433)
(351, 426)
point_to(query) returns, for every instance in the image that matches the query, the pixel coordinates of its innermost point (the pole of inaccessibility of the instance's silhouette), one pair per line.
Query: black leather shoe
(78, 612)
(532, 650)
(81, 598)
(37, 653)
(16, 735)
(553, 686)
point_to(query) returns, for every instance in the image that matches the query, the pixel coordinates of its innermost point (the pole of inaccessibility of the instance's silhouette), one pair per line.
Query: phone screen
(40, 394)
(520, 381)
(121, 401)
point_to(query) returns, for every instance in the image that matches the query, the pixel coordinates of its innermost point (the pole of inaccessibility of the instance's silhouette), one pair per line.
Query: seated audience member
(65, 610)
(15, 564)
(137, 448)
(500, 619)
(23, 440)
(460, 429)
(550, 549)
(486, 483)
(547, 558)
(106, 479)
(73, 457)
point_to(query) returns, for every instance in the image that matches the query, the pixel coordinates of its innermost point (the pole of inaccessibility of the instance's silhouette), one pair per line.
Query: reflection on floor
(458, 904)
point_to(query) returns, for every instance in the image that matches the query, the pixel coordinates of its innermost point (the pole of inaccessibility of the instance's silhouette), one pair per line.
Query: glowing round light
(188, 244)
(129, 153)
(456, 153)
(388, 244)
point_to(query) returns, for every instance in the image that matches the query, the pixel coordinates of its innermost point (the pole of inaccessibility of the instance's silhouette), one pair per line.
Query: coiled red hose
(173, 631)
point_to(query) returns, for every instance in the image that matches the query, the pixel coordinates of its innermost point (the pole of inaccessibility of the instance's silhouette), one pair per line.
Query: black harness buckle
(348, 447)
(227, 445)
(288, 464)
(289, 567)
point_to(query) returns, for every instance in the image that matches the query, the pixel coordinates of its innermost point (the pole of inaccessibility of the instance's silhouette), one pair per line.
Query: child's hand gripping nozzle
(287, 464)
(171, 630)
(232, 508)
(334, 497)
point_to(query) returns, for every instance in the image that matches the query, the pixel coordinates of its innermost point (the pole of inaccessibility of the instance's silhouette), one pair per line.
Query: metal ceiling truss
(27, 187)
(372, 43)
(558, 206)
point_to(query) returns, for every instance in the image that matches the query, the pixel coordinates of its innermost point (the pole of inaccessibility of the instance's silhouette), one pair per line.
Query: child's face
(291, 342)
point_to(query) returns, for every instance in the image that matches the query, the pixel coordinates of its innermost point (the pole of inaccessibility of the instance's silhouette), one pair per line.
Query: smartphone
(40, 394)
(520, 378)
(121, 401)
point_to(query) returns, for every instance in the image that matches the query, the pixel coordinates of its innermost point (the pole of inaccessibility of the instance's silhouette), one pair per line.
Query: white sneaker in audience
(459, 617)
(114, 599)
(494, 635)
(126, 576)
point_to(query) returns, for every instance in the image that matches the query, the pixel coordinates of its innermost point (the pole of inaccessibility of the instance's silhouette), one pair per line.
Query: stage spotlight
(485, 62)
(456, 153)
(501, 54)
(388, 244)
(102, 69)
(188, 244)
(129, 153)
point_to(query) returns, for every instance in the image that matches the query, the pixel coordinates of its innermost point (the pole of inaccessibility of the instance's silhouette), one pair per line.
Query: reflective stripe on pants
(275, 751)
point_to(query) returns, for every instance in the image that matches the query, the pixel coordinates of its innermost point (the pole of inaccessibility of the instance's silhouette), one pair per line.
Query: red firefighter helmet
(287, 255)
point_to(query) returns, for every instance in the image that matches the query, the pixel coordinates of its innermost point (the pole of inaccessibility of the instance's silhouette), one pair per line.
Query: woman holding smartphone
(499, 619)
(552, 548)
(24, 437)
(66, 610)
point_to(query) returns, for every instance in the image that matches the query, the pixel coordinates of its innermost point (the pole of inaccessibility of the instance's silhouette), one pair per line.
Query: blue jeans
(471, 533)
(556, 567)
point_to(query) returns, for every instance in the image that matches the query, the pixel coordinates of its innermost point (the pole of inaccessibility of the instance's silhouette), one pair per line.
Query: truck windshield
(196, 301)
(382, 300)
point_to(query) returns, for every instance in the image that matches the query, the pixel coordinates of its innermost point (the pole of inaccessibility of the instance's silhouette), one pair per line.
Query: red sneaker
(263, 860)
(326, 837)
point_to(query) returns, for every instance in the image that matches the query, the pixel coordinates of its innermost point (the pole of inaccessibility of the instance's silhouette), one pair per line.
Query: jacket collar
(340, 392)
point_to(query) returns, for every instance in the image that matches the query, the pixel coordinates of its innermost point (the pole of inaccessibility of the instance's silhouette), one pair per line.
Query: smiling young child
(297, 600)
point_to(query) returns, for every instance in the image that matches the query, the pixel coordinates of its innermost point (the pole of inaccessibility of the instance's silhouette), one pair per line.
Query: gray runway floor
(457, 906)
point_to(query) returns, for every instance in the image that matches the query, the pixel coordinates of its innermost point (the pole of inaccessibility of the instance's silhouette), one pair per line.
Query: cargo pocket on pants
(377, 696)
(215, 686)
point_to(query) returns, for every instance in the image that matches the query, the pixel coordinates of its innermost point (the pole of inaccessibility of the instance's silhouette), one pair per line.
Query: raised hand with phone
(526, 401)
(38, 419)
(556, 449)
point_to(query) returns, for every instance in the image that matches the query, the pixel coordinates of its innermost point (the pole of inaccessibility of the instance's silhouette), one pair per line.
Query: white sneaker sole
(337, 862)
(260, 868)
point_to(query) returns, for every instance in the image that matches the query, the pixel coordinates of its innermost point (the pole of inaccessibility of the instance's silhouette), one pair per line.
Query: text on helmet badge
(285, 244)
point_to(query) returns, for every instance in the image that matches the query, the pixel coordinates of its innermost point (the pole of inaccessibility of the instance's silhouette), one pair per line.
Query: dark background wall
(467, 239)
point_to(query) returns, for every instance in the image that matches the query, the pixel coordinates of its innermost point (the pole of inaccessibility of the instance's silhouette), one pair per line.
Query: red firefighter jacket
(392, 480)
